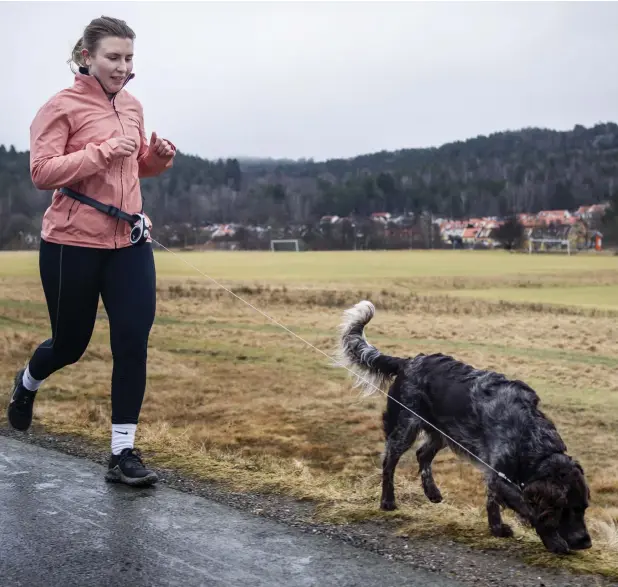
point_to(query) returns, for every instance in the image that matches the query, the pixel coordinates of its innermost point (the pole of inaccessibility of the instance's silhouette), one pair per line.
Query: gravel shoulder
(443, 557)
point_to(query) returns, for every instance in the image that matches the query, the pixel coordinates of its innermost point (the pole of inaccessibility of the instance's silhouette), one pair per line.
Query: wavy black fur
(493, 417)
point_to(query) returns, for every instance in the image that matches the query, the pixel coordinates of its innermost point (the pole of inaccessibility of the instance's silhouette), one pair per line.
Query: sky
(328, 79)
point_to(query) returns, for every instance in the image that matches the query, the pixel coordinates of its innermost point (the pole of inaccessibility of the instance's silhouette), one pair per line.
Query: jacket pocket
(74, 204)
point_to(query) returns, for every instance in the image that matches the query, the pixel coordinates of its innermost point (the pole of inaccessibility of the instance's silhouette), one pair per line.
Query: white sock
(123, 436)
(30, 382)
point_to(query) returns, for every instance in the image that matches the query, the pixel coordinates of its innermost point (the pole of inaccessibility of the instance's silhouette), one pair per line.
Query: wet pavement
(61, 524)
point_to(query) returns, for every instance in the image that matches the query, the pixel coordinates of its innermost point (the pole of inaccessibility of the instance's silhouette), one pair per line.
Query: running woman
(90, 138)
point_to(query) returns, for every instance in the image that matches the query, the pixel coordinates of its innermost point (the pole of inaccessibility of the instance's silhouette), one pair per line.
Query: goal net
(291, 244)
(542, 245)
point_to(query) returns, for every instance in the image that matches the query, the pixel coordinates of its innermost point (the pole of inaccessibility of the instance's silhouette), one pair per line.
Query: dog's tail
(373, 370)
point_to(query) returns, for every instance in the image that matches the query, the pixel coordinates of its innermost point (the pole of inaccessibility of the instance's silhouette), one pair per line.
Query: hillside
(514, 171)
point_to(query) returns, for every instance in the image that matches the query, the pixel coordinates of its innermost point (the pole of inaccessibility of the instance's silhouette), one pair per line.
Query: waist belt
(139, 227)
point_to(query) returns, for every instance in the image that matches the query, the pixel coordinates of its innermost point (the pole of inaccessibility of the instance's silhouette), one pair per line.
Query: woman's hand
(160, 147)
(122, 146)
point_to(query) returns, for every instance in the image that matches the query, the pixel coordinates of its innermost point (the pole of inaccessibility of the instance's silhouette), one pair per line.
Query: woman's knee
(71, 354)
(130, 342)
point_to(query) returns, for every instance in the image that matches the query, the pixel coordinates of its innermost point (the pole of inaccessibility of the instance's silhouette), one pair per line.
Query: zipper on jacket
(121, 170)
(113, 102)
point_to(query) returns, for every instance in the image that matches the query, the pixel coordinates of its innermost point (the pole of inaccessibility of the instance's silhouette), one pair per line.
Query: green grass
(345, 265)
(356, 265)
(600, 296)
(18, 263)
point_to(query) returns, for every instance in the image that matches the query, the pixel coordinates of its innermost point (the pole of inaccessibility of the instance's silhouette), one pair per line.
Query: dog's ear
(546, 498)
(577, 480)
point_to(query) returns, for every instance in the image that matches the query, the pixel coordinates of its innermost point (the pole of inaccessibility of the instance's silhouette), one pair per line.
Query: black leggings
(73, 278)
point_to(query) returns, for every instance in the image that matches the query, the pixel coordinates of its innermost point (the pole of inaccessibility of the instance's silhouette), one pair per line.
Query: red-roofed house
(554, 216)
(527, 220)
(584, 211)
(381, 216)
(469, 235)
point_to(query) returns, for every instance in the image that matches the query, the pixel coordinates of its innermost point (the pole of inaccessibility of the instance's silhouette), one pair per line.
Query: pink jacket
(69, 147)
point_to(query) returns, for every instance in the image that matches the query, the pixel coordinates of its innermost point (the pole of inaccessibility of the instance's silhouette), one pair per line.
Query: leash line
(500, 474)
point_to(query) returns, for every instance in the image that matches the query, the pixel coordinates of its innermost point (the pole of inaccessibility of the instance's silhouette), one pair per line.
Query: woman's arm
(154, 157)
(50, 167)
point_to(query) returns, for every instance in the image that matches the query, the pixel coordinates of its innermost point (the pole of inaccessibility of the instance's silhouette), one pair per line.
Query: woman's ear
(86, 57)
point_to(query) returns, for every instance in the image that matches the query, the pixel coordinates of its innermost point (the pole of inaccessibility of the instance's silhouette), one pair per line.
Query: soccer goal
(547, 244)
(290, 244)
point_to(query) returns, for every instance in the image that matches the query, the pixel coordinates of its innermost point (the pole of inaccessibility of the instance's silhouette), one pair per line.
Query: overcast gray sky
(328, 79)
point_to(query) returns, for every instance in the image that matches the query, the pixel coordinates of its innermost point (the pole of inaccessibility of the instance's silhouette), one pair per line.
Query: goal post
(287, 244)
(560, 242)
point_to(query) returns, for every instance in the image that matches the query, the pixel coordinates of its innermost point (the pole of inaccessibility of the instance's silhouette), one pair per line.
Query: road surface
(62, 525)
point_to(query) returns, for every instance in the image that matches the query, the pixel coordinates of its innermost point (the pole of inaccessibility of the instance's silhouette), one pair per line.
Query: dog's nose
(582, 543)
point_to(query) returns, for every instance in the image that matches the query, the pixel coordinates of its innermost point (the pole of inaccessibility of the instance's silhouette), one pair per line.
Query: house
(469, 235)
(572, 234)
(223, 231)
(476, 222)
(485, 237)
(527, 220)
(589, 212)
(381, 217)
(475, 232)
(451, 231)
(553, 217)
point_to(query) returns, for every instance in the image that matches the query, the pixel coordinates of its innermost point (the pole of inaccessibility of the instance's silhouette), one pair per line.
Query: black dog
(495, 418)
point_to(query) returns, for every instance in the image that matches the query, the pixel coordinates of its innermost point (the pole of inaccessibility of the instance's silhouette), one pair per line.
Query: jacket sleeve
(150, 164)
(50, 167)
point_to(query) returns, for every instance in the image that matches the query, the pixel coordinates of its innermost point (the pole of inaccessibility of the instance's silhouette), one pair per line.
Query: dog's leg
(398, 442)
(425, 455)
(494, 518)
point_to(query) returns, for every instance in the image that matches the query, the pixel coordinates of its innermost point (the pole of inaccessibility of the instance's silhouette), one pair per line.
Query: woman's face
(112, 62)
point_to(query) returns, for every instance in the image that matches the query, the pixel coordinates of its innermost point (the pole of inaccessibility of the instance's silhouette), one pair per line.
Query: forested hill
(526, 170)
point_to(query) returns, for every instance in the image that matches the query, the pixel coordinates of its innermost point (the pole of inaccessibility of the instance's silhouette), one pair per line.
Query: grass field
(233, 398)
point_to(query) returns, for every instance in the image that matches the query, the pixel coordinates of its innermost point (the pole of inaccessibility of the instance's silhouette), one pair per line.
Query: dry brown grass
(234, 399)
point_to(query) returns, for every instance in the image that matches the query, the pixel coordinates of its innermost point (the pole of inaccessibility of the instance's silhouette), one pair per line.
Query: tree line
(497, 175)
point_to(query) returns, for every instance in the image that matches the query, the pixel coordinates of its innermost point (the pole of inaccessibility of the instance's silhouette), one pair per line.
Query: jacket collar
(90, 83)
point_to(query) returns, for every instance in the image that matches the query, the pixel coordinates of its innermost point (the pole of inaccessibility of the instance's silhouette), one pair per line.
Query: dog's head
(557, 499)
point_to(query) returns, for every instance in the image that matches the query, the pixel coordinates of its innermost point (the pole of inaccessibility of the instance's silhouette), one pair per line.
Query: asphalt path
(62, 525)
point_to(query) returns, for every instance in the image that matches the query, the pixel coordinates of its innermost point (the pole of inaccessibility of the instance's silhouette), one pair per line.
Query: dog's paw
(388, 505)
(502, 531)
(433, 494)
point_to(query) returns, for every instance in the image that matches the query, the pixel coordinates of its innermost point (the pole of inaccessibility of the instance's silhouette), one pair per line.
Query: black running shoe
(19, 411)
(128, 467)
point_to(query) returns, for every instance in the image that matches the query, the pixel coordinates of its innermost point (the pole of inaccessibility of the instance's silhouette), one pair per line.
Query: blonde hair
(99, 28)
